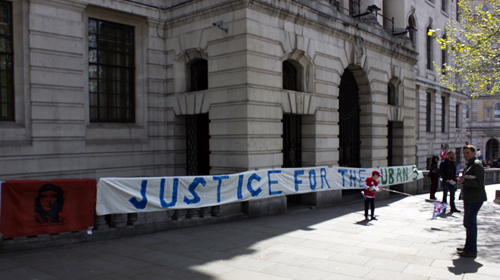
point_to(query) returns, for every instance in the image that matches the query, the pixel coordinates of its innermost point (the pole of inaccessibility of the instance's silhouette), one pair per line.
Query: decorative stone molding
(300, 103)
(395, 114)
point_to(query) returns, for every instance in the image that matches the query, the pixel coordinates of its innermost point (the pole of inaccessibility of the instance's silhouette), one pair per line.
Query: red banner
(30, 208)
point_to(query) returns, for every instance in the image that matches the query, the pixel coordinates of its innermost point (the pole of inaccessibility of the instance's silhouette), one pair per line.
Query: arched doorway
(349, 121)
(492, 151)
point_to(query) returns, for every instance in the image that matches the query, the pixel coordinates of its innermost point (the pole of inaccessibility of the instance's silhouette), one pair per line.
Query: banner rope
(384, 189)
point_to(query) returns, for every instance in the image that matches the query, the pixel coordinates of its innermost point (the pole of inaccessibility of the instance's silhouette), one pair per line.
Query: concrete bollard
(497, 197)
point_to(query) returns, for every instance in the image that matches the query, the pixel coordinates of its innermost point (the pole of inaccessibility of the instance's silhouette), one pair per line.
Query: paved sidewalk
(331, 243)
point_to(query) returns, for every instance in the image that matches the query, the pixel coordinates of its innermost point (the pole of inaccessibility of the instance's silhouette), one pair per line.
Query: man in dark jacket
(474, 195)
(448, 172)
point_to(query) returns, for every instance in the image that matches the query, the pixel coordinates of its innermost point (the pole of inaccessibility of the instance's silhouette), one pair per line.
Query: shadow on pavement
(464, 265)
(203, 253)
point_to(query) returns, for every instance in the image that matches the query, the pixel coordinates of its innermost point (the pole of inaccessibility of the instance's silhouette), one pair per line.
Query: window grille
(391, 94)
(6, 63)
(290, 81)
(197, 145)
(199, 75)
(111, 72)
(292, 140)
(349, 121)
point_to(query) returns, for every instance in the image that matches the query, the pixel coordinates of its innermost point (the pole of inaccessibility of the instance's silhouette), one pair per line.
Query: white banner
(131, 195)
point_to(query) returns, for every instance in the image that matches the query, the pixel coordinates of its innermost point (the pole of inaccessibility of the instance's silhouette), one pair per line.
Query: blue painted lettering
(196, 198)
(271, 182)
(174, 193)
(352, 178)
(253, 192)
(240, 184)
(361, 178)
(341, 171)
(323, 177)
(312, 179)
(219, 178)
(141, 204)
(297, 181)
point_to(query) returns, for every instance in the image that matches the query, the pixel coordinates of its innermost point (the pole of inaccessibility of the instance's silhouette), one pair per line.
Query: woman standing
(434, 170)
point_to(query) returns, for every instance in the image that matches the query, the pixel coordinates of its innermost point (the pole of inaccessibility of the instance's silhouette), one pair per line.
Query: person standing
(371, 186)
(434, 173)
(474, 195)
(448, 172)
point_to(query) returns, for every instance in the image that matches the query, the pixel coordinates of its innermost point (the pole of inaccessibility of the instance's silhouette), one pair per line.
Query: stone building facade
(440, 112)
(446, 119)
(161, 88)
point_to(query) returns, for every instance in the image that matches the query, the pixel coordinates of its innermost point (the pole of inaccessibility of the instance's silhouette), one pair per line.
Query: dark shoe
(455, 210)
(467, 255)
(374, 218)
(366, 218)
(460, 249)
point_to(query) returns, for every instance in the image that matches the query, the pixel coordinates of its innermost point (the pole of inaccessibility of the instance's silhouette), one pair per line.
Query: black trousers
(369, 202)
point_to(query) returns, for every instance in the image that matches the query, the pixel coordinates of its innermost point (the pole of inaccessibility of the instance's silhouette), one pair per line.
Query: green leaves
(473, 45)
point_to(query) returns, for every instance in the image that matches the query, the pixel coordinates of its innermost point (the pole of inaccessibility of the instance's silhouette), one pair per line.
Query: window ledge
(10, 125)
(113, 125)
(108, 131)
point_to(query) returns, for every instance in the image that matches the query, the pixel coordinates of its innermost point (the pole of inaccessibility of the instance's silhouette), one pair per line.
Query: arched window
(411, 22)
(290, 76)
(496, 111)
(429, 49)
(199, 75)
(391, 94)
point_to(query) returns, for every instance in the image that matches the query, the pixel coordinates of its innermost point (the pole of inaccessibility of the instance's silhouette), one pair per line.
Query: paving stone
(351, 258)
(338, 267)
(6, 263)
(25, 273)
(435, 272)
(386, 264)
(322, 244)
(295, 272)
(377, 274)
(242, 274)
(251, 264)
(291, 259)
(335, 276)
(414, 259)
